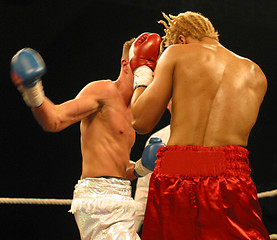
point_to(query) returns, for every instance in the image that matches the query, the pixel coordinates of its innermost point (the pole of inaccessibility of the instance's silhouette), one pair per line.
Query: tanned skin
(216, 94)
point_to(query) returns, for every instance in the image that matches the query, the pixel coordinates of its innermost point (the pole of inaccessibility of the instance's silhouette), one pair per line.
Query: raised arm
(54, 118)
(148, 104)
(27, 67)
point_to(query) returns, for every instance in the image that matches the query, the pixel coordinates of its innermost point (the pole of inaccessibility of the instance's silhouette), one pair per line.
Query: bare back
(216, 96)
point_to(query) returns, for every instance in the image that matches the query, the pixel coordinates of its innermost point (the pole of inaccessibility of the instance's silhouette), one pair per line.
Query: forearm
(130, 171)
(144, 54)
(140, 123)
(46, 116)
(147, 109)
(54, 118)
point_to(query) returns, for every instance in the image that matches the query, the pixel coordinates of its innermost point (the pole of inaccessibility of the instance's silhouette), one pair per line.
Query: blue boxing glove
(147, 163)
(27, 67)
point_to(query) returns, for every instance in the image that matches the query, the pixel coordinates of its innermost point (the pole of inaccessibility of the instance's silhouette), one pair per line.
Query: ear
(125, 66)
(182, 39)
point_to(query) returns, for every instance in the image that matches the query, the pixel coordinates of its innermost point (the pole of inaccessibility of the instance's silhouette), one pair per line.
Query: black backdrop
(81, 41)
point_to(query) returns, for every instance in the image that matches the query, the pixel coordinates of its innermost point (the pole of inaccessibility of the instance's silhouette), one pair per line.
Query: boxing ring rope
(33, 201)
(39, 201)
(44, 201)
(271, 193)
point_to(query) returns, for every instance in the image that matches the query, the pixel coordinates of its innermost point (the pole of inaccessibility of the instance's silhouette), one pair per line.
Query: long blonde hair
(187, 24)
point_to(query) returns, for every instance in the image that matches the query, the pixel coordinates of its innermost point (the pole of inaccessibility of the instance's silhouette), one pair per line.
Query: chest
(116, 121)
(122, 125)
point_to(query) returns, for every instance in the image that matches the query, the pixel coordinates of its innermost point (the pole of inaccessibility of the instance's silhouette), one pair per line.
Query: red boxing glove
(145, 51)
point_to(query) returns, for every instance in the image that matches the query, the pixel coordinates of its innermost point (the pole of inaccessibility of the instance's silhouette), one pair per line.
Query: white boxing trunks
(104, 209)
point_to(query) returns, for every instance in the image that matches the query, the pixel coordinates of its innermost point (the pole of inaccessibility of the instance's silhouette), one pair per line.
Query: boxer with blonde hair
(201, 187)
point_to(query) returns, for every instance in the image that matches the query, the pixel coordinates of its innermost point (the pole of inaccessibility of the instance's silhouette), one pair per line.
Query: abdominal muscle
(106, 146)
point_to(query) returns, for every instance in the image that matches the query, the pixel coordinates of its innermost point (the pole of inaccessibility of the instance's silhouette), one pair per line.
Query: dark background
(81, 41)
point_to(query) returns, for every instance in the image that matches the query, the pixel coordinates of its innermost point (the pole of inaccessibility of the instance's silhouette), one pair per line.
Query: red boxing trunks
(202, 193)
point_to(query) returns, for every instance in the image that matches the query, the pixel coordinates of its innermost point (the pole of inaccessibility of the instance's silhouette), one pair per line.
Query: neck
(125, 89)
(205, 40)
(210, 41)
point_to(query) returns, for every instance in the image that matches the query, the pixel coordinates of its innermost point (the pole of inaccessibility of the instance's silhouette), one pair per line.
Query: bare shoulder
(173, 53)
(257, 79)
(260, 78)
(102, 88)
(183, 51)
(175, 49)
(255, 70)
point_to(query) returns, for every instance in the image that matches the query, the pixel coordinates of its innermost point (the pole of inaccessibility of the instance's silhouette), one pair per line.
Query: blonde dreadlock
(187, 24)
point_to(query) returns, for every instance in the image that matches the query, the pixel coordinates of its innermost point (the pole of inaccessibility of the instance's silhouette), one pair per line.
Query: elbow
(49, 120)
(51, 127)
(141, 128)
(48, 129)
(141, 121)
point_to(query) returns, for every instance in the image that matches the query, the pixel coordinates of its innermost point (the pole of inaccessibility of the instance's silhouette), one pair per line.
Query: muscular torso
(216, 96)
(107, 137)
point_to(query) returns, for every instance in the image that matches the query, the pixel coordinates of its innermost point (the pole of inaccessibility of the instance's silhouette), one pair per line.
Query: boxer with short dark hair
(201, 187)
(102, 202)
